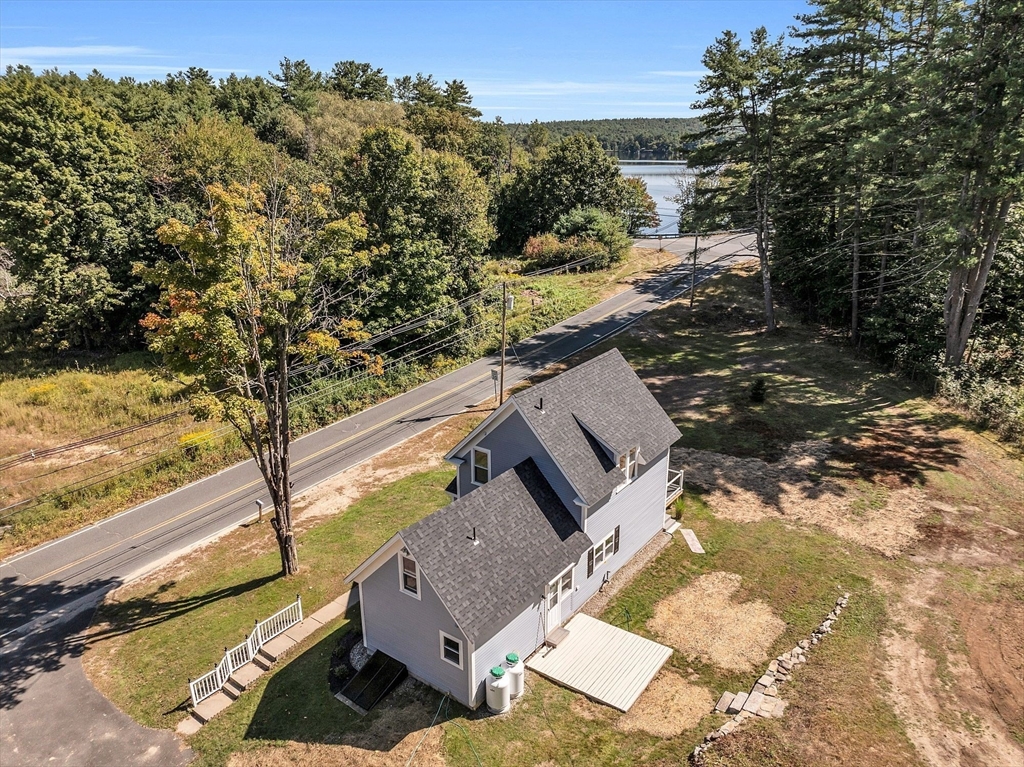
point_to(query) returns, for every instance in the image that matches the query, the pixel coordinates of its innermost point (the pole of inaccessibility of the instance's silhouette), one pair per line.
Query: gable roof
(525, 537)
(603, 396)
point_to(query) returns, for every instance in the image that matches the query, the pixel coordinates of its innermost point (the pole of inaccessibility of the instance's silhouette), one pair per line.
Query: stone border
(763, 699)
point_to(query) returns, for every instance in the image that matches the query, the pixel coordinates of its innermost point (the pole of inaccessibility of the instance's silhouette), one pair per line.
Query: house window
(409, 575)
(451, 650)
(628, 464)
(481, 466)
(603, 551)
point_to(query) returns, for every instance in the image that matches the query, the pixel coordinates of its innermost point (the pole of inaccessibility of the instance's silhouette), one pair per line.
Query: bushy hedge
(582, 233)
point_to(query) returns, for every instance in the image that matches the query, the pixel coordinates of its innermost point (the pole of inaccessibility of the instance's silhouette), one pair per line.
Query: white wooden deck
(601, 661)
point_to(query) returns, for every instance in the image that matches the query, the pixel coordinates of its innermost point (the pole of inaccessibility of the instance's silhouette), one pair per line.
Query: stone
(780, 709)
(728, 727)
(766, 680)
(803, 644)
(723, 702)
(753, 702)
(736, 704)
(773, 666)
(767, 706)
(772, 691)
(826, 625)
(785, 664)
(758, 687)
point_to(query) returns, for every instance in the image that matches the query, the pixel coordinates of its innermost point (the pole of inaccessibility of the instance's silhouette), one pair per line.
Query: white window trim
(401, 576)
(606, 545)
(457, 641)
(473, 466)
(557, 581)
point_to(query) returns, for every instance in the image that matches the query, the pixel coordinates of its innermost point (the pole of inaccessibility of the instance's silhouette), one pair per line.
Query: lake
(661, 184)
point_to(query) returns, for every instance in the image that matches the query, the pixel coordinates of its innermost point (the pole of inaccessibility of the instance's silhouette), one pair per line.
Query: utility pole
(504, 311)
(693, 272)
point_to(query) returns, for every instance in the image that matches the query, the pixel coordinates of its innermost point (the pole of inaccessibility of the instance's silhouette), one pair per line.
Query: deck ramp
(601, 661)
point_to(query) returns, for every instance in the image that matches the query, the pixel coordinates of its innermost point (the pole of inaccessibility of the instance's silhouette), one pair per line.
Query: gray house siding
(511, 442)
(407, 629)
(639, 511)
(521, 635)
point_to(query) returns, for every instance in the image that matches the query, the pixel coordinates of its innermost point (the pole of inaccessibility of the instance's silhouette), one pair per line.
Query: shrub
(757, 391)
(594, 225)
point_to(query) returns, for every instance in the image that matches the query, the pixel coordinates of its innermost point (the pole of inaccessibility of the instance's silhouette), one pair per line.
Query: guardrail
(674, 488)
(236, 657)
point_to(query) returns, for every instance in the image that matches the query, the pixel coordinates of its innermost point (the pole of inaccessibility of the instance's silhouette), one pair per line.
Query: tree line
(630, 138)
(91, 168)
(879, 159)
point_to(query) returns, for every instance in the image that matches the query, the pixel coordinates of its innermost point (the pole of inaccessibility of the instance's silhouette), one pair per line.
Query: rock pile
(763, 699)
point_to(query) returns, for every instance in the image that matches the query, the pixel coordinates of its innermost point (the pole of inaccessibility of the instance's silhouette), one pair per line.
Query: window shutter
(615, 546)
(590, 563)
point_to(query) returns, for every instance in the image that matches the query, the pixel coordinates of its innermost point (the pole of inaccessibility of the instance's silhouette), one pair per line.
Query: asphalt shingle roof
(525, 537)
(603, 395)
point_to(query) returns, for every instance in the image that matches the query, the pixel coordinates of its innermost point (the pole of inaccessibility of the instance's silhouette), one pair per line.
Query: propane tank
(497, 691)
(514, 667)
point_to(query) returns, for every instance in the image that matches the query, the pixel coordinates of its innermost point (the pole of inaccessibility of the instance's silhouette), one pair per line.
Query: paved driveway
(50, 714)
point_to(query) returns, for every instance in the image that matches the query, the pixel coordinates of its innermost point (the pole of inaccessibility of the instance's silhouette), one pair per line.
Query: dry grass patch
(668, 707)
(702, 621)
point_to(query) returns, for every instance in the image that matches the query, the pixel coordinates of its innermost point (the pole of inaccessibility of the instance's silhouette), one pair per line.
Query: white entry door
(559, 590)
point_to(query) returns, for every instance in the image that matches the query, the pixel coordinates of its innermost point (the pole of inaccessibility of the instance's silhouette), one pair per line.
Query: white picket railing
(675, 486)
(236, 657)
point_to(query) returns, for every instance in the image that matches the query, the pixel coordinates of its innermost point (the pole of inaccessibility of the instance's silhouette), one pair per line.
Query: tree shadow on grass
(31, 645)
(297, 705)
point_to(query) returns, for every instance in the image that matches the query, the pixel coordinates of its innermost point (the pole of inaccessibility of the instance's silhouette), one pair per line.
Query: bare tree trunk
(967, 282)
(766, 274)
(855, 291)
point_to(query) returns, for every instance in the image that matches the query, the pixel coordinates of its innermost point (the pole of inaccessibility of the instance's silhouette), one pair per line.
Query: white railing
(236, 657)
(674, 489)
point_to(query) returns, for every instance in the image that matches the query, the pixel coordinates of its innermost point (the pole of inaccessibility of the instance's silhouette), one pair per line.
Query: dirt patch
(388, 742)
(802, 487)
(703, 621)
(995, 648)
(946, 709)
(668, 707)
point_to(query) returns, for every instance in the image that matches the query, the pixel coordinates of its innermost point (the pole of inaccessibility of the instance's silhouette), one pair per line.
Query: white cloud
(72, 51)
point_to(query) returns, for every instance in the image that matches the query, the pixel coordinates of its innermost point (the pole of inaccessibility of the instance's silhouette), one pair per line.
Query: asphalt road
(44, 591)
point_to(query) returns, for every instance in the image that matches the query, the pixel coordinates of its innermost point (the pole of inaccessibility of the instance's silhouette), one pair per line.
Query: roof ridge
(573, 369)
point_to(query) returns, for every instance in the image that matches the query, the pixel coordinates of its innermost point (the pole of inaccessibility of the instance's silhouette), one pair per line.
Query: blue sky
(521, 60)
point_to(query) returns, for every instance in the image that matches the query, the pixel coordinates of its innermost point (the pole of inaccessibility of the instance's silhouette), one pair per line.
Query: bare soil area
(702, 621)
(668, 707)
(945, 704)
(808, 485)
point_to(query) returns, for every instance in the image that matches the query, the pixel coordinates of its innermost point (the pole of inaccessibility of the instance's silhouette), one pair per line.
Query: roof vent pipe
(540, 406)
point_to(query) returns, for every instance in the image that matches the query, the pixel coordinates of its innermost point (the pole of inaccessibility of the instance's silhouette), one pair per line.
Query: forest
(879, 158)
(632, 138)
